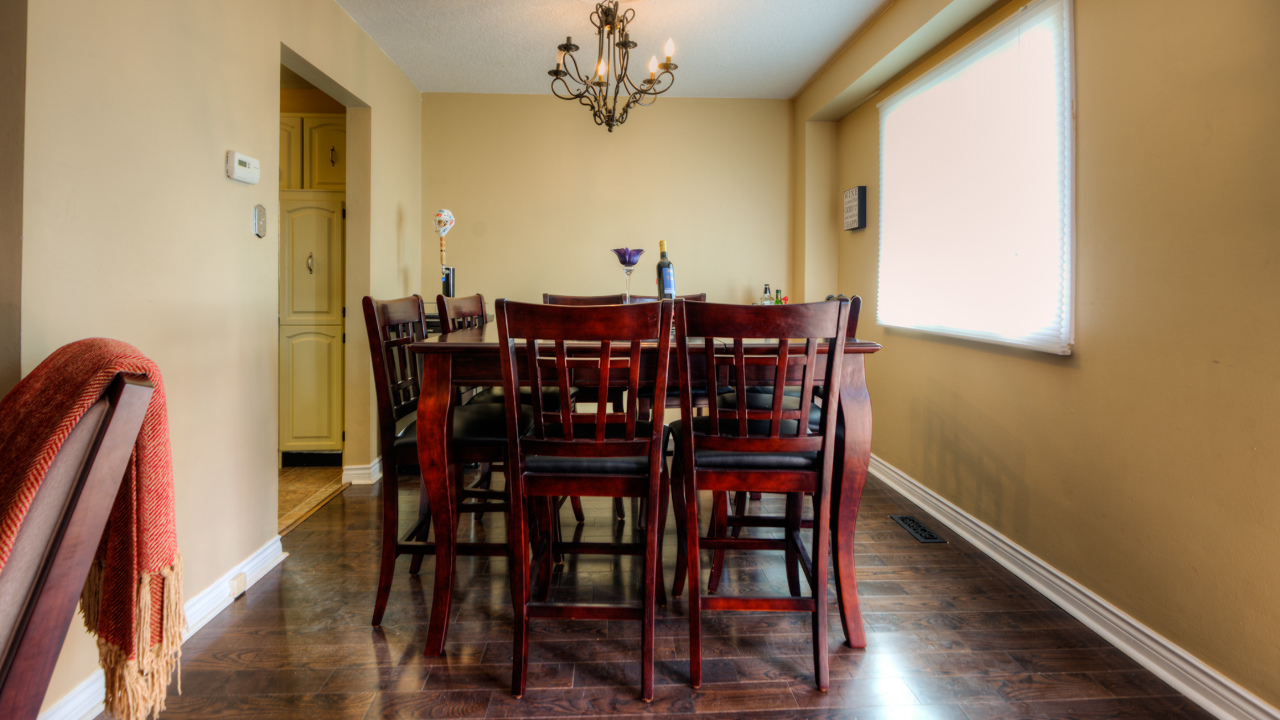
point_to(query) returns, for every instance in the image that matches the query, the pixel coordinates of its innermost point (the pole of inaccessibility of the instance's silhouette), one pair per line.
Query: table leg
(846, 487)
(434, 421)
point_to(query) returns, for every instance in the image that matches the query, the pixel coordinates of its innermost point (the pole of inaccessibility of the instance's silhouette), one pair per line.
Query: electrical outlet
(238, 585)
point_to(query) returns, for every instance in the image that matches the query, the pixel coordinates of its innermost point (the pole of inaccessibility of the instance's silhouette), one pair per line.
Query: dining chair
(55, 544)
(720, 516)
(479, 435)
(597, 454)
(768, 449)
(590, 394)
(470, 312)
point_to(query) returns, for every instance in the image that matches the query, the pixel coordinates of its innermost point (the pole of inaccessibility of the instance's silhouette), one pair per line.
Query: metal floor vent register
(917, 529)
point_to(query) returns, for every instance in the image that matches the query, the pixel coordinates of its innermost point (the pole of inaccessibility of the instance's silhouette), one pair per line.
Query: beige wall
(134, 232)
(541, 194)
(13, 75)
(1144, 465)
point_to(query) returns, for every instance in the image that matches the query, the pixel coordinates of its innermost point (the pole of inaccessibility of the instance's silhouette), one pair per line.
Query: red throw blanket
(132, 600)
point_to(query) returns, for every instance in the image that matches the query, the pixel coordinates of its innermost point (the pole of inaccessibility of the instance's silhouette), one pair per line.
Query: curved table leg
(846, 488)
(434, 421)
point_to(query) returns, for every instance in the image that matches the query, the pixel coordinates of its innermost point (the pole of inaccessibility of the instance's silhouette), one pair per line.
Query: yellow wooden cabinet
(313, 151)
(290, 152)
(311, 392)
(312, 290)
(311, 258)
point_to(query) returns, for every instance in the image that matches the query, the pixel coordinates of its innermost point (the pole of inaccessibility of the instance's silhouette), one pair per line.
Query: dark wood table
(469, 357)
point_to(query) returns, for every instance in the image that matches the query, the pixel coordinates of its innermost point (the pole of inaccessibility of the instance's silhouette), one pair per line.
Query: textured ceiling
(725, 48)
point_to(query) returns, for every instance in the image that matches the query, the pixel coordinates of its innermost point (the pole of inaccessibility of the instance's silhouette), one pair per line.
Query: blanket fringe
(91, 597)
(136, 687)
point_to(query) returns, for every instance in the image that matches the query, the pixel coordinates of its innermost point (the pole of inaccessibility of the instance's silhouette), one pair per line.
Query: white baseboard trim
(1205, 686)
(85, 701)
(206, 605)
(363, 474)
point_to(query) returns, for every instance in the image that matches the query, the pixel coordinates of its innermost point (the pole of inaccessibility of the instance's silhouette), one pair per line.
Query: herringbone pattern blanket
(132, 600)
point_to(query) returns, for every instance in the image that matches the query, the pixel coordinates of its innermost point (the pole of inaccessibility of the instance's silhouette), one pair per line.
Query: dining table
(469, 358)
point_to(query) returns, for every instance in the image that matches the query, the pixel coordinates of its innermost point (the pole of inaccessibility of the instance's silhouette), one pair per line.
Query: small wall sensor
(242, 168)
(259, 221)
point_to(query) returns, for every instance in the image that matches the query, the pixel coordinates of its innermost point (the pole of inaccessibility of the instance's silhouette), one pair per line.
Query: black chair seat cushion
(761, 401)
(587, 466)
(722, 460)
(790, 391)
(484, 422)
(592, 465)
(550, 397)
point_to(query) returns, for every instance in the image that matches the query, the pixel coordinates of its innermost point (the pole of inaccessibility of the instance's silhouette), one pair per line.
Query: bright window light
(976, 190)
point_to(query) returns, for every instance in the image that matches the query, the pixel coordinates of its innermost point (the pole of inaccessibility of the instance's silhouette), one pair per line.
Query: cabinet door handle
(311, 270)
(333, 155)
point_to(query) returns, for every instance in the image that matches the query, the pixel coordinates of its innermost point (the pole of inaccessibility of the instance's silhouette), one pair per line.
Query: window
(976, 190)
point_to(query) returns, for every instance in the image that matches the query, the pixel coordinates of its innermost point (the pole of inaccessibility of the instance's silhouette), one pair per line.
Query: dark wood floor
(951, 635)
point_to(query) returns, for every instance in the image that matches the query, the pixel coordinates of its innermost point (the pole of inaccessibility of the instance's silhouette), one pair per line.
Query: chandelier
(609, 84)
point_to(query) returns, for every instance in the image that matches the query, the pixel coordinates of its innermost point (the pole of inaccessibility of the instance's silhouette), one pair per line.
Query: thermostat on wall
(242, 168)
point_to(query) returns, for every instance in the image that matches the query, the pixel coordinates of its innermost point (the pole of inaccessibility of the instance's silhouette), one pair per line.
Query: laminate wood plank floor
(302, 490)
(951, 636)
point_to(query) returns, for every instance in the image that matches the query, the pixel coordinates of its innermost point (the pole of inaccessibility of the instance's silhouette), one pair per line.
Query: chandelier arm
(571, 94)
(575, 73)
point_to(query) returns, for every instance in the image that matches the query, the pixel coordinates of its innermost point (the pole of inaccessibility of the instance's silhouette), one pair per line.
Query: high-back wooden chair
(770, 449)
(479, 434)
(56, 543)
(598, 454)
(469, 312)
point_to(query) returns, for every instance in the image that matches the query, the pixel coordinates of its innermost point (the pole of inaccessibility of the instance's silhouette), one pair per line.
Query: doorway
(312, 312)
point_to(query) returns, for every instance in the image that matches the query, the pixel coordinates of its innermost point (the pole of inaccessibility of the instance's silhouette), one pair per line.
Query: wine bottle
(767, 298)
(666, 274)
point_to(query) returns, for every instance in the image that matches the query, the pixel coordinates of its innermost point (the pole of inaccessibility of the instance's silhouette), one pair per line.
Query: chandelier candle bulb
(670, 49)
(653, 66)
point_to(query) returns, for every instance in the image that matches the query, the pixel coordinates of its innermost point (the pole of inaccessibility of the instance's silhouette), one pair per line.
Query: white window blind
(976, 190)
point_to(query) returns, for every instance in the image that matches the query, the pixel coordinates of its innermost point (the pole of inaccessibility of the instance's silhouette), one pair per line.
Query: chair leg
(518, 574)
(676, 480)
(618, 510)
(795, 504)
(652, 588)
(544, 529)
(557, 538)
(820, 549)
(739, 510)
(424, 530)
(717, 529)
(576, 503)
(484, 483)
(694, 573)
(390, 529)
